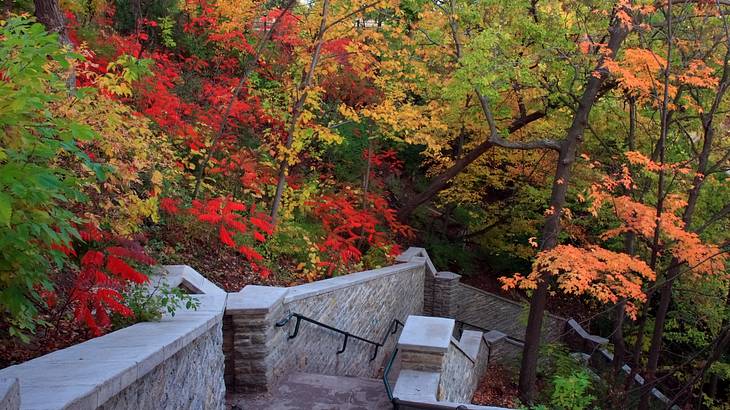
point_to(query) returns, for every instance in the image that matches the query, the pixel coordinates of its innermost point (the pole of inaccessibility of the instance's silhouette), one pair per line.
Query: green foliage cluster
(149, 304)
(570, 383)
(35, 186)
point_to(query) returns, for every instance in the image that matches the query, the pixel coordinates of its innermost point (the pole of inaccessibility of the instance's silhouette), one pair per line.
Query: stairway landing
(306, 391)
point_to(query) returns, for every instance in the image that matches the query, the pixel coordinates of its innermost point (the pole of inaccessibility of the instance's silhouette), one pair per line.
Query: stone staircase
(307, 391)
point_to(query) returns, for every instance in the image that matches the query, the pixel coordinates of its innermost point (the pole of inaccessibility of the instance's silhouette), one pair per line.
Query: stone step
(300, 391)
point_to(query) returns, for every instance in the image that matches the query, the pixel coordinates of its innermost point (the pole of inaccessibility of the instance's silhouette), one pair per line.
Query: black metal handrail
(377, 345)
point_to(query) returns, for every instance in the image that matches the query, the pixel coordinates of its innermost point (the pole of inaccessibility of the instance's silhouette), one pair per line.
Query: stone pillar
(424, 341)
(445, 286)
(254, 343)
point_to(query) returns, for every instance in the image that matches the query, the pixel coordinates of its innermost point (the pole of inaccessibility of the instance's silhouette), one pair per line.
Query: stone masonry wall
(364, 304)
(190, 379)
(175, 363)
(493, 312)
(461, 374)
(366, 310)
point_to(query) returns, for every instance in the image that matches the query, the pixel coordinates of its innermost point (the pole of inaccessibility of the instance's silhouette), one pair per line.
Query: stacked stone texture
(256, 343)
(461, 373)
(493, 312)
(366, 310)
(422, 361)
(260, 353)
(428, 294)
(445, 294)
(189, 379)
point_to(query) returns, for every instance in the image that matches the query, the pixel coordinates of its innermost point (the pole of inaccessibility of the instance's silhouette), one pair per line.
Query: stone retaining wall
(174, 363)
(461, 373)
(438, 371)
(190, 379)
(366, 310)
(363, 303)
(493, 312)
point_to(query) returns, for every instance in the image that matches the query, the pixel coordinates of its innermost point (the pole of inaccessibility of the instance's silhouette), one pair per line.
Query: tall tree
(48, 12)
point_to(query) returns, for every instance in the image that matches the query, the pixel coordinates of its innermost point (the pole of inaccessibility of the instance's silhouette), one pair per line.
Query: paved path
(304, 391)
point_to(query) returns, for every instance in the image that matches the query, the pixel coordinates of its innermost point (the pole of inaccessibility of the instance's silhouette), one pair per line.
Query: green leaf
(6, 209)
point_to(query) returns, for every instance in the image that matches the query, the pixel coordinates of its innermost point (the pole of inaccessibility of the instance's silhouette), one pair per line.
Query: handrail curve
(393, 328)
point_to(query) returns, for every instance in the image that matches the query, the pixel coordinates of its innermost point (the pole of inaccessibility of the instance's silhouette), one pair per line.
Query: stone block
(426, 334)
(255, 299)
(416, 385)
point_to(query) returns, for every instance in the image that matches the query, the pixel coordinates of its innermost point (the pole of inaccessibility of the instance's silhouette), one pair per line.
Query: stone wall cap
(255, 299)
(88, 374)
(423, 333)
(339, 282)
(414, 254)
(494, 336)
(585, 335)
(470, 343)
(447, 275)
(190, 278)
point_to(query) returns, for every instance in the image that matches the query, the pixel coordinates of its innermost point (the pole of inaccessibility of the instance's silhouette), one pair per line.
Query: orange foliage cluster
(641, 219)
(610, 276)
(699, 75)
(637, 158)
(687, 247)
(639, 72)
(605, 275)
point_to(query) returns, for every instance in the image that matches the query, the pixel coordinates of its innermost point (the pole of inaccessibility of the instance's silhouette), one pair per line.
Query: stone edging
(339, 282)
(88, 374)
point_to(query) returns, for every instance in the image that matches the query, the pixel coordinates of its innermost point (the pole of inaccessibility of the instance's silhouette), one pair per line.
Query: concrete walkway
(304, 391)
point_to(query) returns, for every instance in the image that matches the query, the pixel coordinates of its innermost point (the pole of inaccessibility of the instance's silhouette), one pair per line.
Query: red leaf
(250, 254)
(226, 237)
(92, 258)
(120, 268)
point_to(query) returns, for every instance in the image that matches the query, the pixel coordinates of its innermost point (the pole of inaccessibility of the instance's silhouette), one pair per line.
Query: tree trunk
(297, 112)
(551, 229)
(687, 216)
(48, 12)
(617, 338)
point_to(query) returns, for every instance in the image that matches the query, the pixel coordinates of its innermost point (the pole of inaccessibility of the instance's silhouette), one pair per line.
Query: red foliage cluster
(352, 227)
(106, 269)
(234, 222)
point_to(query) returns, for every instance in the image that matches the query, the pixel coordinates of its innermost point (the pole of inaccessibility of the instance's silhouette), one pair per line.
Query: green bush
(149, 304)
(35, 187)
(571, 392)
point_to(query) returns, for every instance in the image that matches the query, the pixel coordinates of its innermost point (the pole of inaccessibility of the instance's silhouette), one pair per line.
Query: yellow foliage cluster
(139, 159)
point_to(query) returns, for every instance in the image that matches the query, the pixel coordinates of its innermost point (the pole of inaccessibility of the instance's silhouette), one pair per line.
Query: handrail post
(296, 327)
(344, 344)
(386, 373)
(375, 353)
